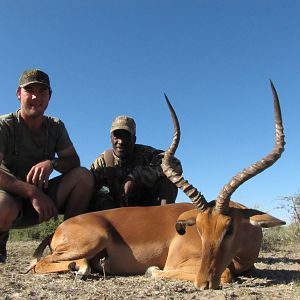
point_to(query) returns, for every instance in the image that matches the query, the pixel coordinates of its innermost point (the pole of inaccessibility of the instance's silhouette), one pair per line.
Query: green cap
(34, 76)
(125, 123)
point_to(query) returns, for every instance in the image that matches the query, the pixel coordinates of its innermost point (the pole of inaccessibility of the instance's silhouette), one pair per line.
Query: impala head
(219, 225)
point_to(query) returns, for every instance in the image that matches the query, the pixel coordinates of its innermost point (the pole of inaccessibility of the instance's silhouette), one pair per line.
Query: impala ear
(181, 225)
(187, 218)
(259, 218)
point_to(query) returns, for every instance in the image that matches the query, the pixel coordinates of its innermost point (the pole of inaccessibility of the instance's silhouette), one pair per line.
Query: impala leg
(155, 272)
(46, 265)
(226, 276)
(80, 267)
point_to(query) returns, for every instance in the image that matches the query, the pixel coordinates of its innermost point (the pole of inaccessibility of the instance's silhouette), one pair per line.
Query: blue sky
(213, 59)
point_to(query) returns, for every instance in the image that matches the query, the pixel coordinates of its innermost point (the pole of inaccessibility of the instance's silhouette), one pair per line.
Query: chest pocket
(43, 142)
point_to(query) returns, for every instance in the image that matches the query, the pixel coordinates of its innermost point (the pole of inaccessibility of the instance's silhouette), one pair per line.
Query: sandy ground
(277, 277)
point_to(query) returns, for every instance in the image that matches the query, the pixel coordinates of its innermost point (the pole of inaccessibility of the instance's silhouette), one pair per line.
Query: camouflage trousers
(163, 192)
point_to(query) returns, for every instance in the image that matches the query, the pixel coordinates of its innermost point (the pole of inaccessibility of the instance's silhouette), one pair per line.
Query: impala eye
(229, 231)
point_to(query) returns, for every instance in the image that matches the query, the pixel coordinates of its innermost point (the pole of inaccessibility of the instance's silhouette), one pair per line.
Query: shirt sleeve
(63, 138)
(3, 137)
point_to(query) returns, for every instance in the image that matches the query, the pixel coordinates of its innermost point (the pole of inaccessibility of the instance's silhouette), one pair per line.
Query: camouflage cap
(34, 76)
(125, 123)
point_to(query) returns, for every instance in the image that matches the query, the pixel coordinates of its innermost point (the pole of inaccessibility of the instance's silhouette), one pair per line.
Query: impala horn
(196, 197)
(222, 201)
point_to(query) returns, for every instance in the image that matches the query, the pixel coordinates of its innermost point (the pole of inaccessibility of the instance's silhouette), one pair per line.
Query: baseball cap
(125, 123)
(34, 76)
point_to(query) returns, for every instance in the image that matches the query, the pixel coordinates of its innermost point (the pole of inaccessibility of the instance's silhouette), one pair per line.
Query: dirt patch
(277, 277)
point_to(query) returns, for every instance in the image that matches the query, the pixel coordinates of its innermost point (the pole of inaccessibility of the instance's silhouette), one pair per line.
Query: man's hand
(44, 206)
(129, 188)
(39, 174)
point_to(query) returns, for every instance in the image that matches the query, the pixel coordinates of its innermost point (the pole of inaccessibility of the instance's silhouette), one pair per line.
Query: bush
(37, 232)
(292, 205)
(280, 237)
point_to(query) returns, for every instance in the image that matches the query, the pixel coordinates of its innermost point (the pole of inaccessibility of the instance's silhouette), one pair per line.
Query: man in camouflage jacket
(130, 174)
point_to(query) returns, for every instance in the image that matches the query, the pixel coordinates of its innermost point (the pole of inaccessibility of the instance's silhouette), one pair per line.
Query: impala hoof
(150, 271)
(80, 272)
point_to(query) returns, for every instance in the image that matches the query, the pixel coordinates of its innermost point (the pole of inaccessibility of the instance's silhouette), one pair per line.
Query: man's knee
(9, 211)
(75, 191)
(167, 191)
(83, 176)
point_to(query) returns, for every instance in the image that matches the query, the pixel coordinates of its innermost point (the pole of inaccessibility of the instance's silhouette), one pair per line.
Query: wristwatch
(54, 162)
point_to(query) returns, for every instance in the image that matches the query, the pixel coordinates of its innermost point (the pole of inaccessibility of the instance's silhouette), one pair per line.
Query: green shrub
(280, 237)
(285, 236)
(37, 232)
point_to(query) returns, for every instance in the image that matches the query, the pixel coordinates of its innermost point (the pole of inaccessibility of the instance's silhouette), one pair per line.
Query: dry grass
(277, 277)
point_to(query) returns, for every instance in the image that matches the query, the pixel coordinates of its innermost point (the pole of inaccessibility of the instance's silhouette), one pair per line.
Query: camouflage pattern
(34, 76)
(124, 123)
(143, 166)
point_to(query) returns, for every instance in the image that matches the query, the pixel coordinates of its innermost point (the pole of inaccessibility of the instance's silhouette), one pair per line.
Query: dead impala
(206, 243)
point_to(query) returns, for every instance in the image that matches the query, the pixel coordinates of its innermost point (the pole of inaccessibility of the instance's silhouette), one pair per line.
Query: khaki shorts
(27, 215)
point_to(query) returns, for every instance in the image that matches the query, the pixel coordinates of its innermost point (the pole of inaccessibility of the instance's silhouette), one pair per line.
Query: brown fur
(207, 245)
(134, 238)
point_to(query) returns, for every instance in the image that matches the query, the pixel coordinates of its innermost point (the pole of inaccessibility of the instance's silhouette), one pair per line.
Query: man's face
(122, 142)
(34, 99)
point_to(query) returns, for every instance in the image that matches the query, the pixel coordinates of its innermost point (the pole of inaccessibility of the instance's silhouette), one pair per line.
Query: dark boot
(3, 241)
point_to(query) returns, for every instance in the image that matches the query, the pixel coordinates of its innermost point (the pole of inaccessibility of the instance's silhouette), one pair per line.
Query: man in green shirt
(130, 174)
(32, 145)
